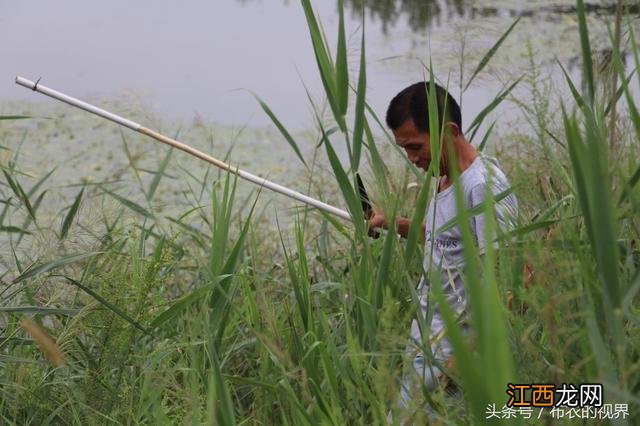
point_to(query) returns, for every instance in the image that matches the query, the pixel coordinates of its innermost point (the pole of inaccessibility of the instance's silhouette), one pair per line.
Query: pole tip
(26, 83)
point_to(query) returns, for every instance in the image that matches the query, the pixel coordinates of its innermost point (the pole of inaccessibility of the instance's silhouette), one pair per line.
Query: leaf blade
(487, 57)
(68, 219)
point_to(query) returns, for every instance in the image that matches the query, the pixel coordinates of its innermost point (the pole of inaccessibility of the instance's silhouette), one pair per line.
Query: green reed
(212, 316)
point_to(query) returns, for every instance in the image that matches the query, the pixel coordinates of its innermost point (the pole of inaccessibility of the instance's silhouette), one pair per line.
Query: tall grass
(208, 317)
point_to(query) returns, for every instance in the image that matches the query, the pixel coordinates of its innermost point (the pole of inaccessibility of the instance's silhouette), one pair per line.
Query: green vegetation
(211, 316)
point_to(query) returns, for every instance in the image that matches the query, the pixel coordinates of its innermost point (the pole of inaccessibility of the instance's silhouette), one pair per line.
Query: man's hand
(375, 222)
(378, 220)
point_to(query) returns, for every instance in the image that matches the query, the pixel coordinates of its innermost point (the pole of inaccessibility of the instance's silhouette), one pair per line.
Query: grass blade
(38, 310)
(14, 230)
(631, 104)
(492, 105)
(106, 303)
(576, 95)
(128, 203)
(38, 184)
(342, 69)
(19, 192)
(619, 92)
(436, 137)
(29, 219)
(360, 118)
(383, 267)
(487, 57)
(352, 200)
(485, 139)
(54, 264)
(157, 176)
(633, 180)
(283, 131)
(325, 65)
(587, 62)
(416, 221)
(474, 210)
(217, 387)
(14, 117)
(183, 303)
(68, 219)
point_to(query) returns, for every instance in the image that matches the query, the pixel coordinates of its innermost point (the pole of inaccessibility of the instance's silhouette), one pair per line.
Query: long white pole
(36, 87)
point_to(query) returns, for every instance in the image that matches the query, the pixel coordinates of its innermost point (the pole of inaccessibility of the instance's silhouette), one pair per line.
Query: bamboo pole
(36, 87)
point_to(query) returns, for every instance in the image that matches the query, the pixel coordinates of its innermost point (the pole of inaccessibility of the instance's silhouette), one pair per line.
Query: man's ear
(452, 128)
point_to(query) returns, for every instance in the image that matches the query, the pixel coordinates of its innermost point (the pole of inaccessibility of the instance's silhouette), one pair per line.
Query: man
(408, 118)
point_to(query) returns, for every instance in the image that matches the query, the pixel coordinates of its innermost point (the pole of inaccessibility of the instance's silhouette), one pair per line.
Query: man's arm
(403, 224)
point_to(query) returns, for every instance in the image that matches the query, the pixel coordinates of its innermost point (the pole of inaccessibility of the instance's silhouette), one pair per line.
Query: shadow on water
(422, 14)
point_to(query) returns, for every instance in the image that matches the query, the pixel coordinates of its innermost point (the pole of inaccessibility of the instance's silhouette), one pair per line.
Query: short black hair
(412, 103)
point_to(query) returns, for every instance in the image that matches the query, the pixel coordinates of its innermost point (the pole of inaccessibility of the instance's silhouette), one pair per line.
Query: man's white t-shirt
(444, 252)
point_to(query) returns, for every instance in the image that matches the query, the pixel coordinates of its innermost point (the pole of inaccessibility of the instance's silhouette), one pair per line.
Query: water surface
(188, 59)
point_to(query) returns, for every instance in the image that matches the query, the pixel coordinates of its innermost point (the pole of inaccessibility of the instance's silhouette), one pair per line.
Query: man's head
(408, 118)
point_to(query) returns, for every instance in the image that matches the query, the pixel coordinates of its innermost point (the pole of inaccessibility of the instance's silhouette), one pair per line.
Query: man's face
(416, 144)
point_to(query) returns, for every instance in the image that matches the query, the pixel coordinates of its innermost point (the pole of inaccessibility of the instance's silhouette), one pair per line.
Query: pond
(187, 60)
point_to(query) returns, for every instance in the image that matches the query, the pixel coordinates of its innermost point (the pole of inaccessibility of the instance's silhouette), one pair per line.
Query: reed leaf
(352, 200)
(534, 226)
(383, 270)
(631, 103)
(38, 310)
(325, 65)
(415, 229)
(485, 139)
(630, 184)
(29, 219)
(378, 166)
(183, 303)
(342, 68)
(14, 230)
(576, 95)
(15, 359)
(283, 130)
(68, 219)
(54, 264)
(487, 57)
(360, 118)
(595, 201)
(587, 61)
(477, 121)
(19, 192)
(474, 210)
(472, 381)
(219, 392)
(157, 175)
(412, 167)
(38, 184)
(15, 117)
(487, 318)
(619, 91)
(132, 205)
(436, 138)
(110, 306)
